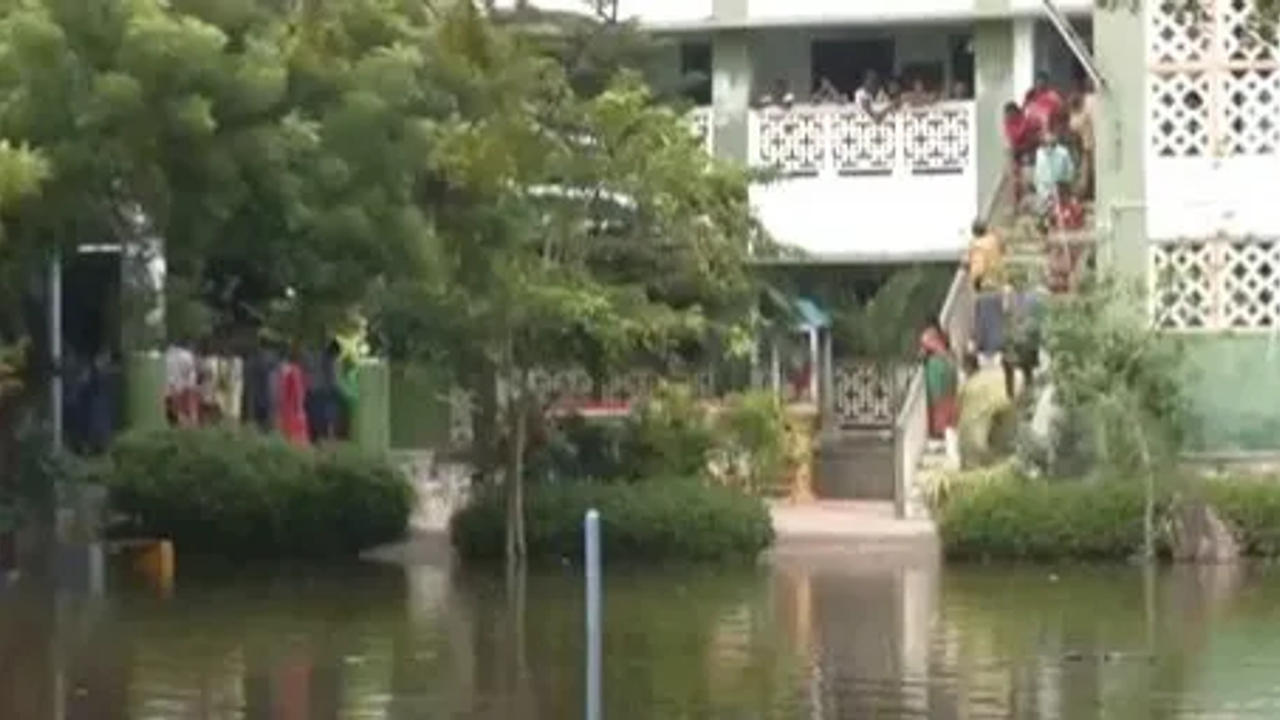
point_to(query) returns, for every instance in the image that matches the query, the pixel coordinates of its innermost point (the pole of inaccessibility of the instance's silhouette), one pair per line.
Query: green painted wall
(144, 391)
(1234, 383)
(1120, 125)
(419, 408)
(371, 424)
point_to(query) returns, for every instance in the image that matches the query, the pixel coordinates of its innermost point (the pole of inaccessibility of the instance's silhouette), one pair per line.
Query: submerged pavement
(845, 527)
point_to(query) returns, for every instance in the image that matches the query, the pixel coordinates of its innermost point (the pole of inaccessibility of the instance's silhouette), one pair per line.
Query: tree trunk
(517, 415)
(1149, 489)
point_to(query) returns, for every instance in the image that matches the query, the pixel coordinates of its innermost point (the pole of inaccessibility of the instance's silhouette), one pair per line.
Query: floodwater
(840, 638)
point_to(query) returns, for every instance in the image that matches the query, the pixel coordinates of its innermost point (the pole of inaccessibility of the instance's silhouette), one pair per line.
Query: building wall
(1234, 384)
(1187, 141)
(701, 14)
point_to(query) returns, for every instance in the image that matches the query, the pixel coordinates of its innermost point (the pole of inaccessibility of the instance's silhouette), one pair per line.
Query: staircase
(855, 465)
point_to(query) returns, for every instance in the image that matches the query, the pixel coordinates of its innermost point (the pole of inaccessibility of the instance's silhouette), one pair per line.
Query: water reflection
(821, 639)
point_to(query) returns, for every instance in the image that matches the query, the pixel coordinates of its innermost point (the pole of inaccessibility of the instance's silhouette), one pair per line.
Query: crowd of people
(306, 396)
(875, 96)
(1052, 135)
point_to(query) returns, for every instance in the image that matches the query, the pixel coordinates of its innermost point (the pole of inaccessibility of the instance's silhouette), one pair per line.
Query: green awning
(809, 316)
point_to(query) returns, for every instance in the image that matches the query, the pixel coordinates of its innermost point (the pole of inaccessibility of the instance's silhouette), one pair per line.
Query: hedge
(1014, 518)
(247, 495)
(1251, 507)
(1002, 515)
(647, 521)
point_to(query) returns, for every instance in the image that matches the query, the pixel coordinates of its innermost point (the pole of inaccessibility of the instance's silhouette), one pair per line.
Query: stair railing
(911, 425)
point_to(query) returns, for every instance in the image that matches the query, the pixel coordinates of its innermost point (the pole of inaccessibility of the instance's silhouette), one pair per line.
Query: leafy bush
(752, 442)
(743, 443)
(1251, 506)
(670, 434)
(649, 521)
(242, 495)
(1005, 516)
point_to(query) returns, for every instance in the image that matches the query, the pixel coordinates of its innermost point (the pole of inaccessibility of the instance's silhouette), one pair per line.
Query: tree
(273, 146)
(575, 227)
(1111, 366)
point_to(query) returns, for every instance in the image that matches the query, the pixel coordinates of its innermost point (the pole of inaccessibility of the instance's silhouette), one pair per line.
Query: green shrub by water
(1251, 507)
(247, 495)
(647, 521)
(1012, 518)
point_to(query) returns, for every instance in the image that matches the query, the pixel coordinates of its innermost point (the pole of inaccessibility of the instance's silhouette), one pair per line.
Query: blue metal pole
(591, 528)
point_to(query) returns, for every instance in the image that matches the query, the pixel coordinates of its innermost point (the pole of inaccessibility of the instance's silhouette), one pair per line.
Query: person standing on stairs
(1054, 169)
(1023, 320)
(986, 257)
(940, 382)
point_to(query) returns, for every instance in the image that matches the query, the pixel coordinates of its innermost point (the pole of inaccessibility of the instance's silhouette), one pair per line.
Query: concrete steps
(855, 466)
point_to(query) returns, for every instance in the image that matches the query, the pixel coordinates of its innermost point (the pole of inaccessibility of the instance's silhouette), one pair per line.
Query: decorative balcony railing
(811, 140)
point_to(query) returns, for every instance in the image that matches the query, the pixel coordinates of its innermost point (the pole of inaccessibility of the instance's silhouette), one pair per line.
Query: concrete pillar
(144, 390)
(993, 50)
(731, 86)
(1024, 65)
(371, 419)
(1119, 39)
(828, 381)
(142, 274)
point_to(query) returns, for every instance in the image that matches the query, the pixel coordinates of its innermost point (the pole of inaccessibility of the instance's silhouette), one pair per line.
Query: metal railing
(911, 425)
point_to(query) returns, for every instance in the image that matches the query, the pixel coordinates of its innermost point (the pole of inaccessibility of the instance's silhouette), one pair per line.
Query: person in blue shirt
(1054, 168)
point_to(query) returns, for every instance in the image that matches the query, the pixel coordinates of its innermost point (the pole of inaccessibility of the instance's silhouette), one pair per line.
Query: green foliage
(999, 514)
(741, 442)
(246, 495)
(1111, 366)
(1005, 516)
(1251, 507)
(887, 326)
(656, 520)
(671, 434)
(752, 436)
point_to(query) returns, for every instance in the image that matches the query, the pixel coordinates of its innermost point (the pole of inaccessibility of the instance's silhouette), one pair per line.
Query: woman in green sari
(940, 382)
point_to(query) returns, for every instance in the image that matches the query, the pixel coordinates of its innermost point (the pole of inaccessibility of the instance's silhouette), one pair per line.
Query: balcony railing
(835, 140)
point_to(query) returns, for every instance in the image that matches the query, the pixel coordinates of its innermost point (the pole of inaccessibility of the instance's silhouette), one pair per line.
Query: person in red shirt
(1045, 103)
(1022, 134)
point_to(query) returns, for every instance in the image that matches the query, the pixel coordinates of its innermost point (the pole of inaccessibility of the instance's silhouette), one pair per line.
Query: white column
(814, 366)
(731, 86)
(1024, 56)
(775, 368)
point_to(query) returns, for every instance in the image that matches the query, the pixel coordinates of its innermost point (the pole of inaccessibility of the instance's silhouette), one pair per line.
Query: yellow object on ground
(153, 559)
(983, 405)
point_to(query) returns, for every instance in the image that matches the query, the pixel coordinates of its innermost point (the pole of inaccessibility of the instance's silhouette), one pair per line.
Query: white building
(1188, 151)
(849, 189)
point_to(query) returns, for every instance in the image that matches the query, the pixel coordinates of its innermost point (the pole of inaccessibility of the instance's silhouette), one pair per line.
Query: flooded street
(796, 639)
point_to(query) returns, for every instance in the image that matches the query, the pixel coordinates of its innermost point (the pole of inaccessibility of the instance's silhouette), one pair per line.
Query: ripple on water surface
(786, 642)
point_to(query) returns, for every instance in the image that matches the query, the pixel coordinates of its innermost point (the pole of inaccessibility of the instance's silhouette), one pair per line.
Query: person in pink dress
(291, 396)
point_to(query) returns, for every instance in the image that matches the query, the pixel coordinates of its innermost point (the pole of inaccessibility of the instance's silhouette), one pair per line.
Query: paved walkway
(848, 527)
(823, 529)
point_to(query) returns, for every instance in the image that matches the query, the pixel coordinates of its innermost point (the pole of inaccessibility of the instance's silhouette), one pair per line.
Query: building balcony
(847, 187)
(701, 15)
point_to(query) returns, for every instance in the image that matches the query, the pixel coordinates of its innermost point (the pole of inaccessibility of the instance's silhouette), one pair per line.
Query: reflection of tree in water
(1076, 646)
(680, 644)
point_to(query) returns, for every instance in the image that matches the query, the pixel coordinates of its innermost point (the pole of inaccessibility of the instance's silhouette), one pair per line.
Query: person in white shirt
(181, 379)
(872, 98)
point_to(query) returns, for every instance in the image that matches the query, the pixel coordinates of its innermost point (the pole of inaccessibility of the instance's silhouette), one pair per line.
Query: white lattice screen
(1214, 84)
(1230, 284)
